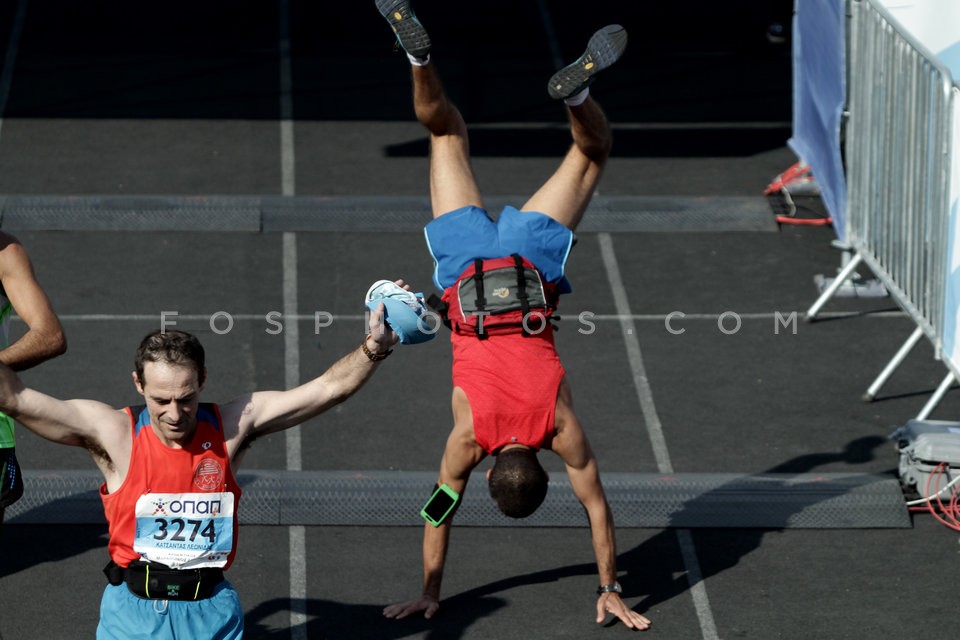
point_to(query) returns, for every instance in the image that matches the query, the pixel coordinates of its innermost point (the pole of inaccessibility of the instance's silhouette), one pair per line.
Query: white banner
(934, 23)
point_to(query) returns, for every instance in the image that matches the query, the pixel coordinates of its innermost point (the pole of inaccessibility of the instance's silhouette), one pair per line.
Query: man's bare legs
(566, 194)
(452, 184)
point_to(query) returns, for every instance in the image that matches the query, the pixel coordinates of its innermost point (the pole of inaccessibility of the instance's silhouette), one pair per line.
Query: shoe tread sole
(412, 36)
(604, 48)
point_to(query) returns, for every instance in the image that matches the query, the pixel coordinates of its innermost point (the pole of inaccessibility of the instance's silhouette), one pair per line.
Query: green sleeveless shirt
(6, 422)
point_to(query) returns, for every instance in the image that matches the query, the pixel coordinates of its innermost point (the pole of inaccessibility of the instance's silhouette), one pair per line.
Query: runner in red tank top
(510, 396)
(169, 493)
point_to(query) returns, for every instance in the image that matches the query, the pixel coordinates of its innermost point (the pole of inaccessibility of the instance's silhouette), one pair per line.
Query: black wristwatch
(613, 587)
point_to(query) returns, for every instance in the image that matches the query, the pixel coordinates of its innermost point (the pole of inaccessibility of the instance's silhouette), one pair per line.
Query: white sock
(418, 62)
(577, 98)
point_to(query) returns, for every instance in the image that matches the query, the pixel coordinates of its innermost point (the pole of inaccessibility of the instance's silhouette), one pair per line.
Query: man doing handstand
(501, 282)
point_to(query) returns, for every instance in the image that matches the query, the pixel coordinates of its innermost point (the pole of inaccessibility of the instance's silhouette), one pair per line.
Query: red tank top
(511, 381)
(177, 507)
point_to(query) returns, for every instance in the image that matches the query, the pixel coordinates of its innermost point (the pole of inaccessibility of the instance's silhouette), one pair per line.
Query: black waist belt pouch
(158, 582)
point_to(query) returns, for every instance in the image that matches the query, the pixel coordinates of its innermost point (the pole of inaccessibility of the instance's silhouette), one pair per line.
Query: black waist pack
(154, 581)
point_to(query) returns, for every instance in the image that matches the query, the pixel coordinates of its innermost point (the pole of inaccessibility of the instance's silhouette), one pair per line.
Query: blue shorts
(124, 616)
(459, 237)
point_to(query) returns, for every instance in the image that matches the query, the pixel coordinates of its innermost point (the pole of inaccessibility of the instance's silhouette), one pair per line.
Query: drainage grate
(357, 213)
(394, 498)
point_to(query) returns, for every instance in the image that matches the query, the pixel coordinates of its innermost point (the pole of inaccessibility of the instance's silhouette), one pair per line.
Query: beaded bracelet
(373, 357)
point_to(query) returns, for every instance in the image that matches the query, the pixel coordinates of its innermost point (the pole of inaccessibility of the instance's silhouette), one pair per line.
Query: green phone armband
(443, 501)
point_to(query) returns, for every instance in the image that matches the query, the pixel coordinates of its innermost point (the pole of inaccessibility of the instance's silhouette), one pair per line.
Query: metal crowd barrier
(897, 155)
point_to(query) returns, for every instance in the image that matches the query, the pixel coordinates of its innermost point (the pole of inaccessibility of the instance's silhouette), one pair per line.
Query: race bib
(185, 530)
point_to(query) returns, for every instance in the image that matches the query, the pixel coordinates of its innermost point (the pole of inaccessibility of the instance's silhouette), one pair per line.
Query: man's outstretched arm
(572, 446)
(263, 412)
(460, 456)
(44, 338)
(586, 484)
(82, 423)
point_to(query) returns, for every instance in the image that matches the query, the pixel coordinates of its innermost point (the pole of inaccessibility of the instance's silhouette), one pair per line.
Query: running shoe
(604, 48)
(404, 311)
(388, 289)
(411, 35)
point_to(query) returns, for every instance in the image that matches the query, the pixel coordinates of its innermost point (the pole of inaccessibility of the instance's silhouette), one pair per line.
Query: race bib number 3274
(185, 530)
